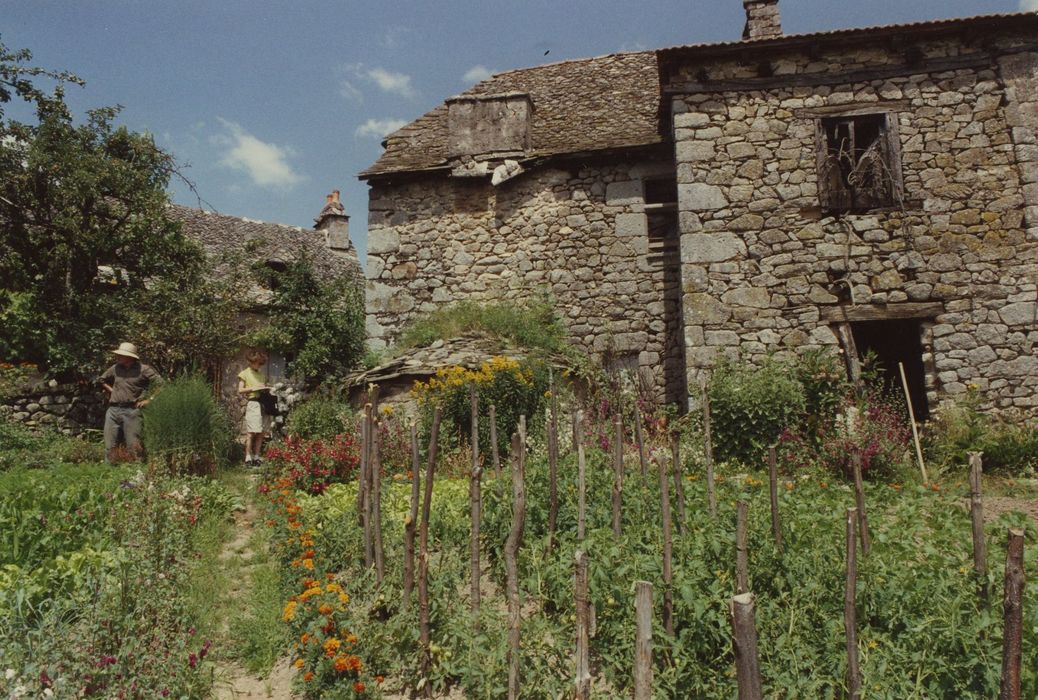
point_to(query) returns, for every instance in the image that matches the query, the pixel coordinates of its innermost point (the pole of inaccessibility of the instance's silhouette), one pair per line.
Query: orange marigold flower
(290, 611)
(358, 687)
(341, 664)
(308, 564)
(299, 663)
(380, 679)
(325, 609)
(304, 638)
(343, 598)
(331, 646)
(308, 676)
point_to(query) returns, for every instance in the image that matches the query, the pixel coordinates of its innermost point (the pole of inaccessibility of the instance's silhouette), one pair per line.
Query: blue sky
(274, 104)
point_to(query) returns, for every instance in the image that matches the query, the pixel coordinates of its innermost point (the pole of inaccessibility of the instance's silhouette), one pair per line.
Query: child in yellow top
(252, 381)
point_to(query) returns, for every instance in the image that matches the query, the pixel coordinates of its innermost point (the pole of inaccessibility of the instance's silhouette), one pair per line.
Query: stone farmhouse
(870, 189)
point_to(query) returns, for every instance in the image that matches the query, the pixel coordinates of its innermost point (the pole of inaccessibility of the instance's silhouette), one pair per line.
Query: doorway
(893, 342)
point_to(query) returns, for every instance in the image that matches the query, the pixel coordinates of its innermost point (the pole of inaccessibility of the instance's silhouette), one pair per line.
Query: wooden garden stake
(581, 486)
(583, 615)
(744, 638)
(410, 524)
(639, 438)
(475, 507)
(742, 566)
(365, 487)
(708, 447)
(850, 616)
(776, 524)
(553, 468)
(576, 429)
(618, 472)
(911, 419)
(376, 507)
(494, 456)
(423, 558)
(362, 467)
(1013, 605)
(679, 479)
(668, 574)
(643, 640)
(980, 549)
(859, 499)
(512, 544)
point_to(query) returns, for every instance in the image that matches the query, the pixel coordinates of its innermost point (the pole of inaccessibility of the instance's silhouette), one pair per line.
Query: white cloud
(388, 81)
(378, 128)
(1029, 5)
(476, 74)
(392, 37)
(265, 163)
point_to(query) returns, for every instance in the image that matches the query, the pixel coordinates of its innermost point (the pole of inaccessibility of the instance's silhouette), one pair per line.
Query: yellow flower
(299, 663)
(290, 611)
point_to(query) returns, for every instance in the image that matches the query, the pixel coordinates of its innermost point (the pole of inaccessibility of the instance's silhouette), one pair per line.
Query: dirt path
(232, 681)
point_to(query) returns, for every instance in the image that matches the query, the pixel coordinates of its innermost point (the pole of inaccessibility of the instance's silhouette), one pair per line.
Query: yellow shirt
(253, 378)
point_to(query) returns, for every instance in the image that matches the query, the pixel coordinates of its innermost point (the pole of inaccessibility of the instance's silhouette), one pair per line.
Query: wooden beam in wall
(880, 312)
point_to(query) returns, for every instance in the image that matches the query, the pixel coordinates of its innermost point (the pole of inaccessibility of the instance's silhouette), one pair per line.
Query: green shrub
(1010, 446)
(532, 325)
(318, 418)
(186, 427)
(750, 406)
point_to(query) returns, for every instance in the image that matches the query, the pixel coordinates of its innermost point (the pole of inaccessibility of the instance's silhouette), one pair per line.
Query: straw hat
(127, 349)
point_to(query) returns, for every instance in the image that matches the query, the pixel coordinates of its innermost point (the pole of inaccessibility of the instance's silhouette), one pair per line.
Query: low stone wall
(69, 408)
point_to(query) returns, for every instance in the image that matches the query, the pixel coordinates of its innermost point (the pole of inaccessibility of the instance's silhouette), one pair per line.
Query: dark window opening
(895, 342)
(661, 191)
(858, 163)
(273, 269)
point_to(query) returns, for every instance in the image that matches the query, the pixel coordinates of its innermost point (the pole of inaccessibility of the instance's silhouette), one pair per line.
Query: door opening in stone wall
(893, 342)
(661, 196)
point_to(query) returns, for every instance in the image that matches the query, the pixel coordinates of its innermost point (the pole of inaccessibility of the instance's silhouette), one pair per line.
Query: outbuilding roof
(220, 234)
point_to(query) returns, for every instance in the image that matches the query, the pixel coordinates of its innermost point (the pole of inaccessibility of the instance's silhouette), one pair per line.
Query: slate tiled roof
(221, 234)
(585, 105)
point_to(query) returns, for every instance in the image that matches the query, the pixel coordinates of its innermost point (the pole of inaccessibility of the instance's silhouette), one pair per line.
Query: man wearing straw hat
(127, 382)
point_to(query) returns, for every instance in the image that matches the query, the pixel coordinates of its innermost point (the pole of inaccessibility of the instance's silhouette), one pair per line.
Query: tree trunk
(583, 615)
(512, 544)
(475, 510)
(850, 615)
(744, 637)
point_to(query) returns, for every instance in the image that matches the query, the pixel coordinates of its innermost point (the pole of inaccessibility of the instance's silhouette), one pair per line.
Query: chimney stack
(335, 224)
(762, 19)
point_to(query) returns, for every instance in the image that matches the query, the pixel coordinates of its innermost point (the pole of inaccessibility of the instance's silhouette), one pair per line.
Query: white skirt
(255, 421)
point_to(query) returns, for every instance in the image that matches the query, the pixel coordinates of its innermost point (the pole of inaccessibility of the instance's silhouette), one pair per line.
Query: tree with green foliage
(317, 324)
(84, 224)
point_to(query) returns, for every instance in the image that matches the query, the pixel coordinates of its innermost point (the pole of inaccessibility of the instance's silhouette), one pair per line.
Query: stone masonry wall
(69, 408)
(579, 236)
(758, 255)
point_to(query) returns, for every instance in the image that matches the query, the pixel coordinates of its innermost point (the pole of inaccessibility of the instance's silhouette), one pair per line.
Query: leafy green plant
(750, 406)
(185, 427)
(319, 417)
(1009, 443)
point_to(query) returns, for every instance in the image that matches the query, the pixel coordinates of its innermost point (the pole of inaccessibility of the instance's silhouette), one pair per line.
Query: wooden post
(679, 479)
(639, 438)
(668, 574)
(410, 524)
(708, 447)
(362, 469)
(618, 472)
(576, 429)
(581, 484)
(423, 558)
(365, 488)
(583, 615)
(911, 419)
(475, 509)
(850, 353)
(744, 638)
(1013, 606)
(980, 549)
(494, 452)
(376, 506)
(859, 499)
(643, 640)
(512, 544)
(850, 615)
(776, 524)
(742, 565)
(553, 468)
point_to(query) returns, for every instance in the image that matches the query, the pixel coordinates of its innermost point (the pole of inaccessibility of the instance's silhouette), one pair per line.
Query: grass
(532, 326)
(257, 632)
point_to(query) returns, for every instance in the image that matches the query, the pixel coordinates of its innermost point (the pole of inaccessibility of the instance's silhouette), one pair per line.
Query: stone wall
(68, 408)
(579, 236)
(761, 260)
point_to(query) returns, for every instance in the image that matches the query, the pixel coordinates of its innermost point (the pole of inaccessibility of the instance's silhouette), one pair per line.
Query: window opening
(858, 167)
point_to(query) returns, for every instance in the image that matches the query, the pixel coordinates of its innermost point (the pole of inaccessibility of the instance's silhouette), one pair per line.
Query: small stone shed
(871, 189)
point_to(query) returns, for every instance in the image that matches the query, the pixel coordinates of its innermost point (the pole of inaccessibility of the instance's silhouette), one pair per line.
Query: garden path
(232, 681)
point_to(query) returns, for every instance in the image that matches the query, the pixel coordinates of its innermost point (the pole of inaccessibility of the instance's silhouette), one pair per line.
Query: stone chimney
(762, 19)
(335, 224)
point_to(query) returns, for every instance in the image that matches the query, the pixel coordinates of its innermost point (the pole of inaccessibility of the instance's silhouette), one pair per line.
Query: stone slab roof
(584, 105)
(220, 234)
